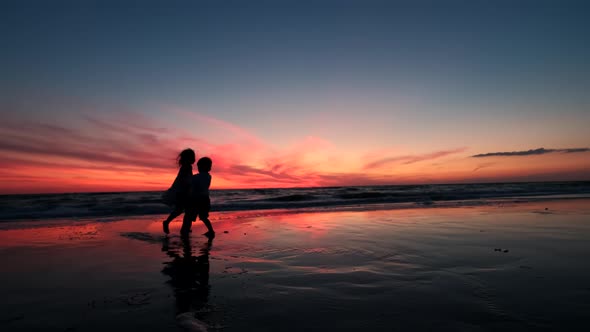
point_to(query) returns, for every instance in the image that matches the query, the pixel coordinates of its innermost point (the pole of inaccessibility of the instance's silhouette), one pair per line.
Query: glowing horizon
(135, 153)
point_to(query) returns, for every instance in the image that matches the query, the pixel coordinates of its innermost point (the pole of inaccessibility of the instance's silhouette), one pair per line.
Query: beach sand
(513, 267)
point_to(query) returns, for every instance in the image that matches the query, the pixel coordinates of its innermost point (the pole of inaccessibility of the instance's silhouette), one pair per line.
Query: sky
(103, 95)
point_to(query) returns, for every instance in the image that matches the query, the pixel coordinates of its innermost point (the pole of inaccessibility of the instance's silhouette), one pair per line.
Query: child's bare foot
(165, 226)
(210, 234)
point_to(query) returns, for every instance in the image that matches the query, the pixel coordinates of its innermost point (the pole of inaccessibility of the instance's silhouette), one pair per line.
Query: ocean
(116, 204)
(480, 257)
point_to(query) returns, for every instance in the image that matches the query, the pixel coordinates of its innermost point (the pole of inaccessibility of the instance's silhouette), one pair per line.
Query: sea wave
(84, 205)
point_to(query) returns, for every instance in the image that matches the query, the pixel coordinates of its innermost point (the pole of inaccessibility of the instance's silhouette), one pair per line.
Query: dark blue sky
(185, 50)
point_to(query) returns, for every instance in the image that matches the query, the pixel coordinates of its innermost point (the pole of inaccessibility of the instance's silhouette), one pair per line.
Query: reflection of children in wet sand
(199, 203)
(189, 275)
(177, 195)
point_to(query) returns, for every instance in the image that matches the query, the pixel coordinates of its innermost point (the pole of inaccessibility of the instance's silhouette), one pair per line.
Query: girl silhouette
(178, 194)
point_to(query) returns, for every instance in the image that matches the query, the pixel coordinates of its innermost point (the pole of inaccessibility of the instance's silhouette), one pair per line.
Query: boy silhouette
(199, 203)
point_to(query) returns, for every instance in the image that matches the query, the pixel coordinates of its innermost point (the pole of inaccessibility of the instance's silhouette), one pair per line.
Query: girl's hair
(186, 157)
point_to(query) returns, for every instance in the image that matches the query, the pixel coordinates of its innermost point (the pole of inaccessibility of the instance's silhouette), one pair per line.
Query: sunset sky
(292, 93)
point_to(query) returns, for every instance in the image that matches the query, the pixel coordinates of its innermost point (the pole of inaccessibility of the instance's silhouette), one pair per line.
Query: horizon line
(274, 188)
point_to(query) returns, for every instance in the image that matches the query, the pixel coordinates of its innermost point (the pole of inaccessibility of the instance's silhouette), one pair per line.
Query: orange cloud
(130, 151)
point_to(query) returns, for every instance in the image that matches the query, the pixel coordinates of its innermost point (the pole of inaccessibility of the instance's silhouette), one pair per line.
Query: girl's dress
(178, 194)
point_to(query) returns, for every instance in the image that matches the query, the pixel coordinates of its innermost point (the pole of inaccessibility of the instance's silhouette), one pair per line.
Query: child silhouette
(178, 194)
(199, 203)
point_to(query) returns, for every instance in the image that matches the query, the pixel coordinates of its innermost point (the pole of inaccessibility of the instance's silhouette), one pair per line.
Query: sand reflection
(189, 274)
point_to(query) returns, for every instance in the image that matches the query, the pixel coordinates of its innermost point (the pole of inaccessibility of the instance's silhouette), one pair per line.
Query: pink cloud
(225, 127)
(483, 165)
(410, 159)
(118, 145)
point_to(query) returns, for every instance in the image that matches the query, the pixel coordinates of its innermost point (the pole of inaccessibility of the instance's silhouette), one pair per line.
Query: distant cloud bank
(531, 152)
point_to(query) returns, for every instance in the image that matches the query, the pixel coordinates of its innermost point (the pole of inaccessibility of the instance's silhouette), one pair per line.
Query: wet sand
(513, 267)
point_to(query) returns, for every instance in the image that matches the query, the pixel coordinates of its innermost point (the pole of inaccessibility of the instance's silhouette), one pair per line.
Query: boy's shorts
(200, 207)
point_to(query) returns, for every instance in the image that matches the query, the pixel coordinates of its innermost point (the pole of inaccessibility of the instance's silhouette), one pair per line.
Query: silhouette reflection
(189, 275)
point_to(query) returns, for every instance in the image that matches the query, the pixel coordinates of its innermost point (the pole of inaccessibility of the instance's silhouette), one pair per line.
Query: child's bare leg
(177, 211)
(173, 214)
(186, 224)
(210, 231)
